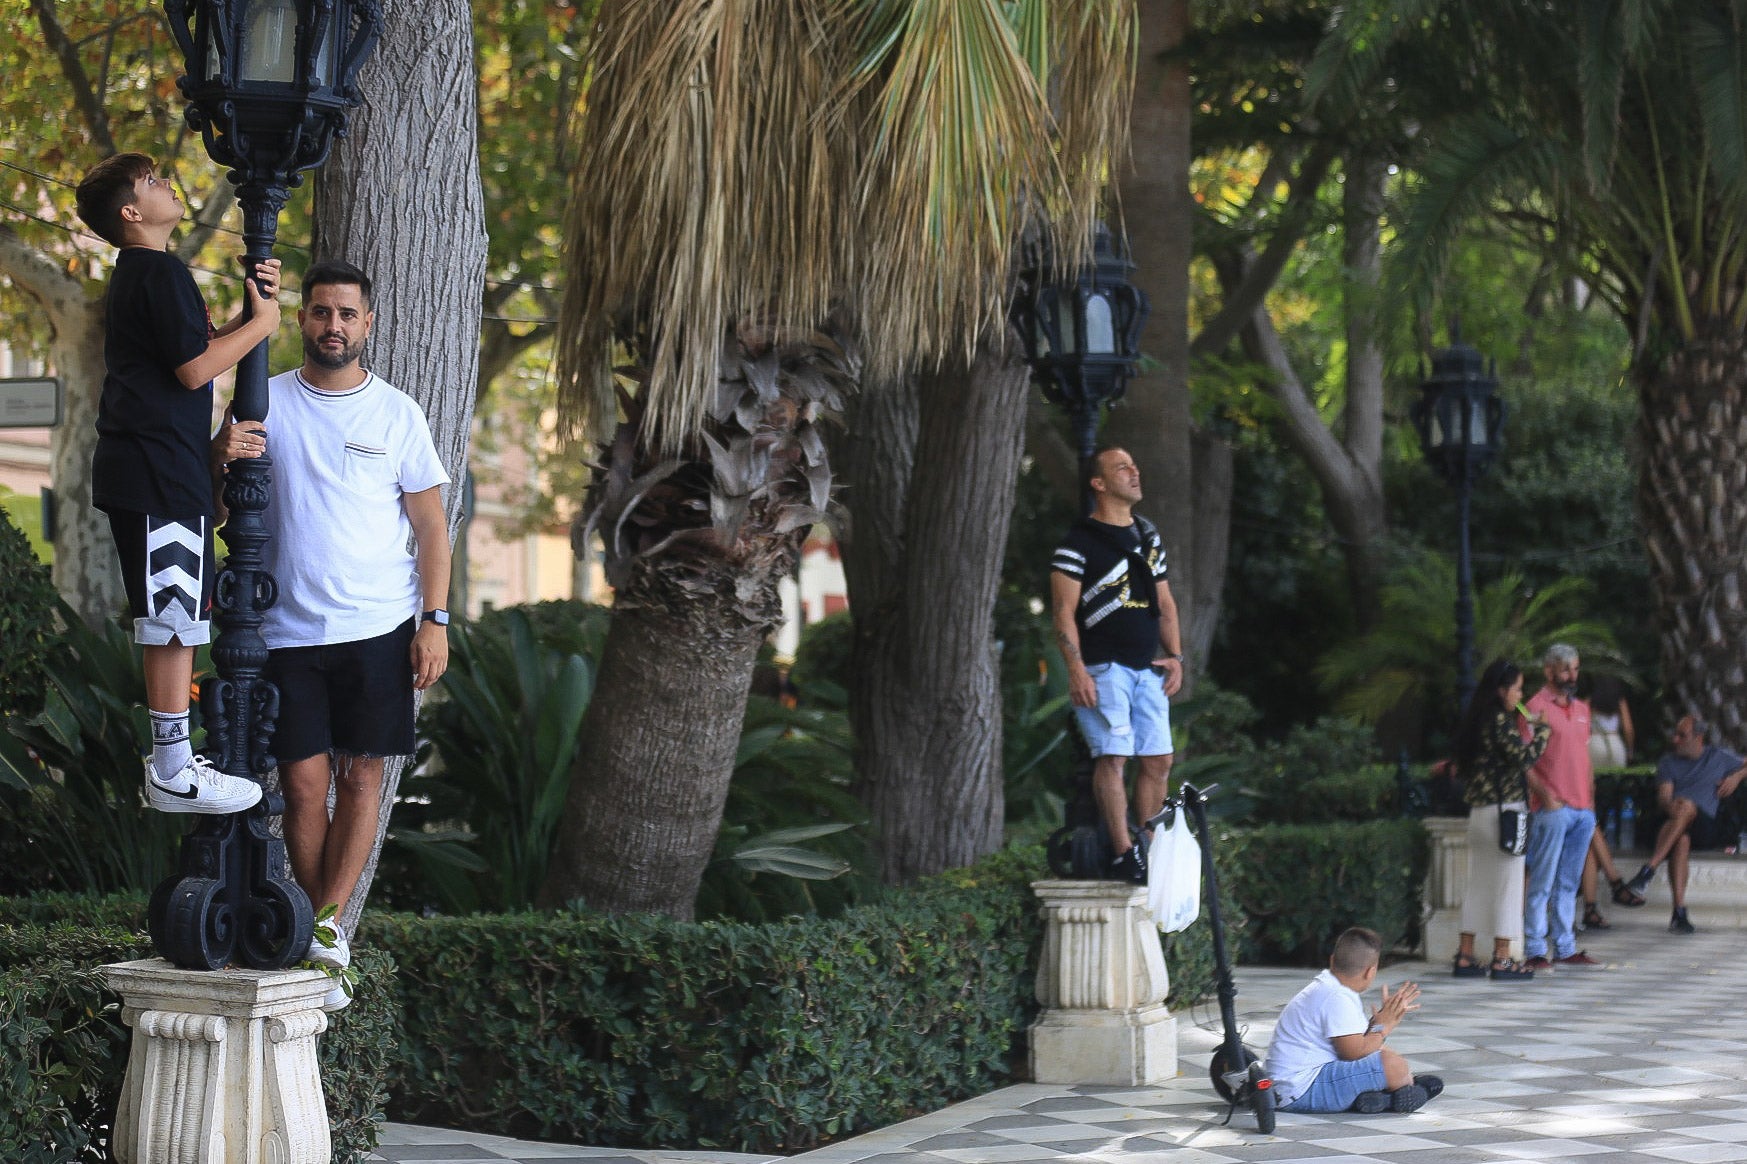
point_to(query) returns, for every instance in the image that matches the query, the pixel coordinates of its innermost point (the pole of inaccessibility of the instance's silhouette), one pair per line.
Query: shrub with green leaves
(70, 776)
(1300, 885)
(63, 1047)
(27, 611)
(643, 1031)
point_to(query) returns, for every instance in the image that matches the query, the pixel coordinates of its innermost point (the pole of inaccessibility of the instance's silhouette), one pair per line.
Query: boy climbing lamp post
(269, 84)
(1459, 417)
(1081, 333)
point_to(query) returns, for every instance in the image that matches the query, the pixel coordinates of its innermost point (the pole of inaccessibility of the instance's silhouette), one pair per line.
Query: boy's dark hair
(1356, 951)
(337, 271)
(106, 188)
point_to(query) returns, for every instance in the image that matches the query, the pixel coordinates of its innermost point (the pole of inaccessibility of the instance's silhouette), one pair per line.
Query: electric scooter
(1236, 1072)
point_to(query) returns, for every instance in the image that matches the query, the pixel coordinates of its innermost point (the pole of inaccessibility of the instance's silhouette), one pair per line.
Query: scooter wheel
(1219, 1068)
(1261, 1091)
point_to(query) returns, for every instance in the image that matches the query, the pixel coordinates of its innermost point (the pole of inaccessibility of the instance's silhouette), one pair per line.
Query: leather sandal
(1463, 966)
(1509, 970)
(1592, 919)
(1625, 895)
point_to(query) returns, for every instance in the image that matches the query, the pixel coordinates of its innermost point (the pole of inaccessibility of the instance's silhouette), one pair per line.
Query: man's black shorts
(352, 697)
(1706, 832)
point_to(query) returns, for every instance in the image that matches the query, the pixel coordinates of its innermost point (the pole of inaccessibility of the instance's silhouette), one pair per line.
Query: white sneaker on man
(200, 788)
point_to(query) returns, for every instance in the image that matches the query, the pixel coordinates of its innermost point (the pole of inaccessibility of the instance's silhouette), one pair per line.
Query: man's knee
(359, 777)
(1156, 767)
(305, 779)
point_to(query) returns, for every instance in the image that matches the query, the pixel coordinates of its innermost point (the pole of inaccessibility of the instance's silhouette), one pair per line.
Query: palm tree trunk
(933, 470)
(657, 747)
(1692, 498)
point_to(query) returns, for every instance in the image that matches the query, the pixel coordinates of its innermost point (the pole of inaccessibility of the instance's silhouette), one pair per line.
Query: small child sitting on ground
(1326, 1056)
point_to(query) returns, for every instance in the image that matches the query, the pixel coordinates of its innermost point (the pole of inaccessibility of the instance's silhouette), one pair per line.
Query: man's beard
(1568, 689)
(348, 353)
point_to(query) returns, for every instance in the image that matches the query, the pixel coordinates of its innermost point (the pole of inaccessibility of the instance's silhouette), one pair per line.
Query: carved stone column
(1446, 877)
(222, 1066)
(1102, 983)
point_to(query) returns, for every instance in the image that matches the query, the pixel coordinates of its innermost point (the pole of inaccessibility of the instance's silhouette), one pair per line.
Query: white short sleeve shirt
(1304, 1037)
(340, 546)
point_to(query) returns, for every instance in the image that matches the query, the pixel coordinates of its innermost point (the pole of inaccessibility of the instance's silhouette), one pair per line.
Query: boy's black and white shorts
(168, 567)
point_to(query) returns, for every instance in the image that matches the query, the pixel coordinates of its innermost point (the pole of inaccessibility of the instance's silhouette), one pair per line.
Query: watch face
(440, 617)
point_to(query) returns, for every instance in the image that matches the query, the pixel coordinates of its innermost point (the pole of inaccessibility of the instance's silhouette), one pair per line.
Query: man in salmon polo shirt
(1561, 816)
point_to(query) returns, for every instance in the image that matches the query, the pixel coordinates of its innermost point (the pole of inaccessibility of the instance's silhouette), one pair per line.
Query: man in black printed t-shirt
(1116, 624)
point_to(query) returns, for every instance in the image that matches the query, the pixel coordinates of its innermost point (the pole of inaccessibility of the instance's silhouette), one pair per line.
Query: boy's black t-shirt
(152, 433)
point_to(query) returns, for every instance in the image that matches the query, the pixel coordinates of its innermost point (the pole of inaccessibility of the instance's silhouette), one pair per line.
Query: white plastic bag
(1173, 882)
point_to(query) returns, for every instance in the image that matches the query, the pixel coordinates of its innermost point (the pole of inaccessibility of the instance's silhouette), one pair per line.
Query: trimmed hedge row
(63, 1047)
(1301, 885)
(645, 1032)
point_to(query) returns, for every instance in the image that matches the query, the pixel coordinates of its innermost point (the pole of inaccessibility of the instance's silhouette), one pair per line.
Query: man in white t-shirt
(360, 623)
(1327, 1056)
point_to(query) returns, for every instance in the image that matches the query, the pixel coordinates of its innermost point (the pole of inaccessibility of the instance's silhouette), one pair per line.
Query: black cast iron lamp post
(1459, 417)
(1081, 333)
(269, 84)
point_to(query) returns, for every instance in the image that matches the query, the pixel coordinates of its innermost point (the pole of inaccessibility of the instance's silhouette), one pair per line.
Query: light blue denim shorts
(1339, 1083)
(1133, 717)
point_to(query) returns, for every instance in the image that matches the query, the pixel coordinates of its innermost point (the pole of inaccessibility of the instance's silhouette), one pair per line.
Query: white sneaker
(336, 998)
(338, 955)
(209, 791)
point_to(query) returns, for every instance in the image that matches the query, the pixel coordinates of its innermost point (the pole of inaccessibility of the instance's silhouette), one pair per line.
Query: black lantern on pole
(269, 84)
(1459, 417)
(1081, 332)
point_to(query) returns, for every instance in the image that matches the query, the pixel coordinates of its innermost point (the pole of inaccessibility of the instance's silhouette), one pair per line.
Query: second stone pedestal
(1102, 983)
(222, 1069)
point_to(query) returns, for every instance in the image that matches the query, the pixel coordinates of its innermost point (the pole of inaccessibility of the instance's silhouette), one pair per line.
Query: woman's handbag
(1513, 831)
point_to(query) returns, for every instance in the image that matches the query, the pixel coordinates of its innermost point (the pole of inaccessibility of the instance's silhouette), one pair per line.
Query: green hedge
(641, 1031)
(63, 1048)
(1301, 885)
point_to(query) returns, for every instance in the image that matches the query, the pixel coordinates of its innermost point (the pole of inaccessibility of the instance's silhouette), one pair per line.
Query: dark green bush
(63, 1049)
(1301, 885)
(27, 614)
(642, 1031)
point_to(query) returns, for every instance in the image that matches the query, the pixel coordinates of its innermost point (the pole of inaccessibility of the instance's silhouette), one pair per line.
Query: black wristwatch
(438, 616)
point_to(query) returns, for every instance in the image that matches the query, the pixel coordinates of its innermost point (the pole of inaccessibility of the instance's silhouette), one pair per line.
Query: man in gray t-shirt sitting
(1690, 784)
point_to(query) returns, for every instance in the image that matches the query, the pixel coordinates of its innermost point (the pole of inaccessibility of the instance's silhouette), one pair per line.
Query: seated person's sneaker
(1371, 1103)
(1678, 924)
(1640, 881)
(1130, 866)
(1434, 1086)
(1410, 1098)
(200, 788)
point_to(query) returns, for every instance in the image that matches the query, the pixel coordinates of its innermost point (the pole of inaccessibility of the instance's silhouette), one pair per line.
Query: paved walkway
(1644, 1059)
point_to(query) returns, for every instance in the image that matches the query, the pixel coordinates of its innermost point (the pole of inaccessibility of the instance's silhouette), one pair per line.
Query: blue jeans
(1339, 1083)
(1558, 842)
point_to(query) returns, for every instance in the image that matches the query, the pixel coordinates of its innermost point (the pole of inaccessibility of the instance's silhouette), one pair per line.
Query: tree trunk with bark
(85, 571)
(932, 469)
(1692, 500)
(400, 197)
(1154, 422)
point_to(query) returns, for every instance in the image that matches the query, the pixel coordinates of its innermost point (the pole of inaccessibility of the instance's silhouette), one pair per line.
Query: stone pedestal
(222, 1069)
(1446, 878)
(1102, 983)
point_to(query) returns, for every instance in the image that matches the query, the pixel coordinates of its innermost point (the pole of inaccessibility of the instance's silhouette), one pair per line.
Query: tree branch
(1261, 274)
(40, 277)
(85, 96)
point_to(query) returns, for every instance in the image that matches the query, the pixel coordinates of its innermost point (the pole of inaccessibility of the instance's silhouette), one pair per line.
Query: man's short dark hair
(1356, 951)
(1093, 466)
(106, 188)
(336, 271)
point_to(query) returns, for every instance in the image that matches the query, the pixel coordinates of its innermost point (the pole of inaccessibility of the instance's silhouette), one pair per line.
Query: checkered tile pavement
(1642, 1059)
